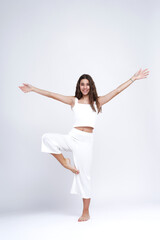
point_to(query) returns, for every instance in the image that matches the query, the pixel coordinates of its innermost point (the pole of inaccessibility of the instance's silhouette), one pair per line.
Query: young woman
(86, 104)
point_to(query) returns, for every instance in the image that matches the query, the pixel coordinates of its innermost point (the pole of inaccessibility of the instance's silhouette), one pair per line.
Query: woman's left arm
(138, 75)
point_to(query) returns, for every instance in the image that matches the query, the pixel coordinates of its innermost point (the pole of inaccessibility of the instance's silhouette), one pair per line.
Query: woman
(86, 104)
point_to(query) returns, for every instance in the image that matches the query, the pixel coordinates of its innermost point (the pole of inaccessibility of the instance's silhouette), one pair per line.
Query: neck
(85, 98)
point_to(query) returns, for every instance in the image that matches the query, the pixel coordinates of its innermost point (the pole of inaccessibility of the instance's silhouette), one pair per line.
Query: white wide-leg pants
(80, 143)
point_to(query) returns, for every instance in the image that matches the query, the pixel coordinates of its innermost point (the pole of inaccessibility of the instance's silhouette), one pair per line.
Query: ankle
(85, 211)
(65, 162)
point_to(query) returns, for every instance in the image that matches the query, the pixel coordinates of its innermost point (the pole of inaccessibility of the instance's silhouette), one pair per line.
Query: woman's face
(84, 86)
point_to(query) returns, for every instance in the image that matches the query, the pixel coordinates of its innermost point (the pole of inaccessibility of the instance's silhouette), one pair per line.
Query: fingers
(23, 89)
(139, 71)
(145, 70)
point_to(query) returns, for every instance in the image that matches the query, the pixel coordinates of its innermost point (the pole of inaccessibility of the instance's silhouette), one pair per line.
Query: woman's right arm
(65, 99)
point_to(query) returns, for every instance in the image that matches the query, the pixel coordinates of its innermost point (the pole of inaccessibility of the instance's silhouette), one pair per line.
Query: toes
(76, 171)
(82, 219)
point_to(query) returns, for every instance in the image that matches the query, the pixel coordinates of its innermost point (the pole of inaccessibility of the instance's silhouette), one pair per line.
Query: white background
(49, 44)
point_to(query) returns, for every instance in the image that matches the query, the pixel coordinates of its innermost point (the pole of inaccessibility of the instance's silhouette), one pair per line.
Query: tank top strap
(76, 100)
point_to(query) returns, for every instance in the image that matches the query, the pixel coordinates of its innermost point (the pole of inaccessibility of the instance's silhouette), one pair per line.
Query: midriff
(85, 129)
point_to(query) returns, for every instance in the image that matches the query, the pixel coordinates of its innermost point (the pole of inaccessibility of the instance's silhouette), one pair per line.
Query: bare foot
(85, 216)
(70, 167)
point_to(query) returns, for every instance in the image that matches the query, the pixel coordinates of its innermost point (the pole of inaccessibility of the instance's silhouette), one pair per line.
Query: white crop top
(84, 114)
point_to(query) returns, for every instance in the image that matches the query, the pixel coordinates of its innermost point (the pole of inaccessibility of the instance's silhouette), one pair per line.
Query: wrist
(132, 79)
(32, 89)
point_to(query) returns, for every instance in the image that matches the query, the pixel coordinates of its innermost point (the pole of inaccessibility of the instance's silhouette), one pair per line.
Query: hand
(140, 74)
(26, 88)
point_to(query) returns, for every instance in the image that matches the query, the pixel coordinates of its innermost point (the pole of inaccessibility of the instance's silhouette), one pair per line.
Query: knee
(45, 136)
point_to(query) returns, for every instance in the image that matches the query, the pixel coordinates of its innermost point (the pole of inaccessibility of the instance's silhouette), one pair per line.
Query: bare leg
(85, 215)
(66, 162)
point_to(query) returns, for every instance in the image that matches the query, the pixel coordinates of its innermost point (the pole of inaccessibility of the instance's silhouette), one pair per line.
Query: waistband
(76, 132)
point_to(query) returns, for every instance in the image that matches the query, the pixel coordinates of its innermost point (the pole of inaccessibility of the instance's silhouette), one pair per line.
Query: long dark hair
(93, 96)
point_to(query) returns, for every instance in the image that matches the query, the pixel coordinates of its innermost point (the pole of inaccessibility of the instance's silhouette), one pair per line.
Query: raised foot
(84, 217)
(70, 167)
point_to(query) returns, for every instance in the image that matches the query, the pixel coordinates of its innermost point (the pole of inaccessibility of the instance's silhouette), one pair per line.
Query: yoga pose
(86, 104)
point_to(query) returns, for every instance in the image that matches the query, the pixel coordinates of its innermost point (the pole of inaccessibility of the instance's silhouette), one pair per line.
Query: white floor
(136, 222)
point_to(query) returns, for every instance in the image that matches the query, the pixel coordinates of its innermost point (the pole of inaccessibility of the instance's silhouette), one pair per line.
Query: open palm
(26, 88)
(141, 74)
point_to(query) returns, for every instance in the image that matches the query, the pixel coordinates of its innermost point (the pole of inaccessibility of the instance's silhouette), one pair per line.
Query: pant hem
(50, 152)
(82, 196)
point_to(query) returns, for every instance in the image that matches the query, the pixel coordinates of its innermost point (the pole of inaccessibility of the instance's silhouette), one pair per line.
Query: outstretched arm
(65, 99)
(138, 75)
